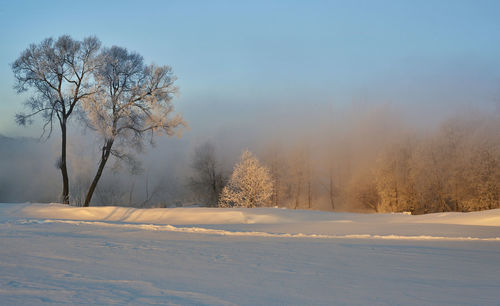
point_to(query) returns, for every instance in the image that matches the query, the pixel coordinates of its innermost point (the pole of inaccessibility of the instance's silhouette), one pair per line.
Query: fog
(325, 156)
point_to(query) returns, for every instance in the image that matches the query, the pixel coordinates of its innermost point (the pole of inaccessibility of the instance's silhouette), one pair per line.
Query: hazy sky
(236, 60)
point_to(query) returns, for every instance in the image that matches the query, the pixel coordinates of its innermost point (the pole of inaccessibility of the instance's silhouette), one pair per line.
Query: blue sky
(238, 59)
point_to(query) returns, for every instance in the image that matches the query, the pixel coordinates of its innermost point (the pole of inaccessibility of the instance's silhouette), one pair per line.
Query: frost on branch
(250, 184)
(57, 76)
(132, 101)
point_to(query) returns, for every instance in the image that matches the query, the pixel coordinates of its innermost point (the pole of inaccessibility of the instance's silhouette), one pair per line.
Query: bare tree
(209, 178)
(333, 174)
(297, 177)
(132, 100)
(309, 175)
(151, 194)
(58, 74)
(362, 192)
(331, 187)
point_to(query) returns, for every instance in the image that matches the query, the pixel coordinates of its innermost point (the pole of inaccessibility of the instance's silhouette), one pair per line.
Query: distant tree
(333, 175)
(275, 158)
(209, 179)
(298, 176)
(58, 75)
(132, 101)
(331, 186)
(276, 169)
(309, 175)
(362, 192)
(250, 184)
(393, 178)
(482, 168)
(437, 170)
(486, 178)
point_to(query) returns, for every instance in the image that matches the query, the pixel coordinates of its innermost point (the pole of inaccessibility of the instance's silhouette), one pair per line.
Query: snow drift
(275, 222)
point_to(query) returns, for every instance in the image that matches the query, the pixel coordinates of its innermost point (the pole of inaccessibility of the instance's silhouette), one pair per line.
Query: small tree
(250, 184)
(132, 100)
(58, 74)
(209, 179)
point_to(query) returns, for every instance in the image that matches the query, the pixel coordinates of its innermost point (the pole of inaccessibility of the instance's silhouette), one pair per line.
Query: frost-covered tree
(57, 73)
(132, 101)
(250, 184)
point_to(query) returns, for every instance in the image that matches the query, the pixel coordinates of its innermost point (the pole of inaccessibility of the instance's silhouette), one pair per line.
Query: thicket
(455, 168)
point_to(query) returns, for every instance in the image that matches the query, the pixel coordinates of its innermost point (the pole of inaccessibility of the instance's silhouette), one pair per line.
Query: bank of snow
(275, 222)
(194, 215)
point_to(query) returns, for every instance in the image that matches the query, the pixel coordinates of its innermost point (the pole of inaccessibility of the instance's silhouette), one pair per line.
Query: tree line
(454, 168)
(376, 165)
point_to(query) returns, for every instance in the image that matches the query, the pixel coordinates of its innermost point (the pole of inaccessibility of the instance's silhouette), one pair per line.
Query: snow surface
(52, 253)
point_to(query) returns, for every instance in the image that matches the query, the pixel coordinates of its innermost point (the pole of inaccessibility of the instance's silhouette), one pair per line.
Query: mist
(321, 156)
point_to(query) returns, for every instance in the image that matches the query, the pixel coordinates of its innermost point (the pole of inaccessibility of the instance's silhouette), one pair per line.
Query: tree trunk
(62, 165)
(106, 151)
(397, 200)
(277, 191)
(332, 194)
(297, 195)
(215, 191)
(309, 194)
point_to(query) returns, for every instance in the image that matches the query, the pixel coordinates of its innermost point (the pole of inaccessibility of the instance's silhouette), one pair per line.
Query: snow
(52, 253)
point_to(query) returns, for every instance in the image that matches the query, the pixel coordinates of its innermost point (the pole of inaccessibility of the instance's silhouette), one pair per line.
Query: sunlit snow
(201, 256)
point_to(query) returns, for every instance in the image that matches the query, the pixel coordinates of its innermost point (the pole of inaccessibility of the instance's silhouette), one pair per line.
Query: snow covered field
(200, 256)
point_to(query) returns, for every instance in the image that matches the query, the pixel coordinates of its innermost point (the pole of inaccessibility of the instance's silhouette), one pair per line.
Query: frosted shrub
(250, 184)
